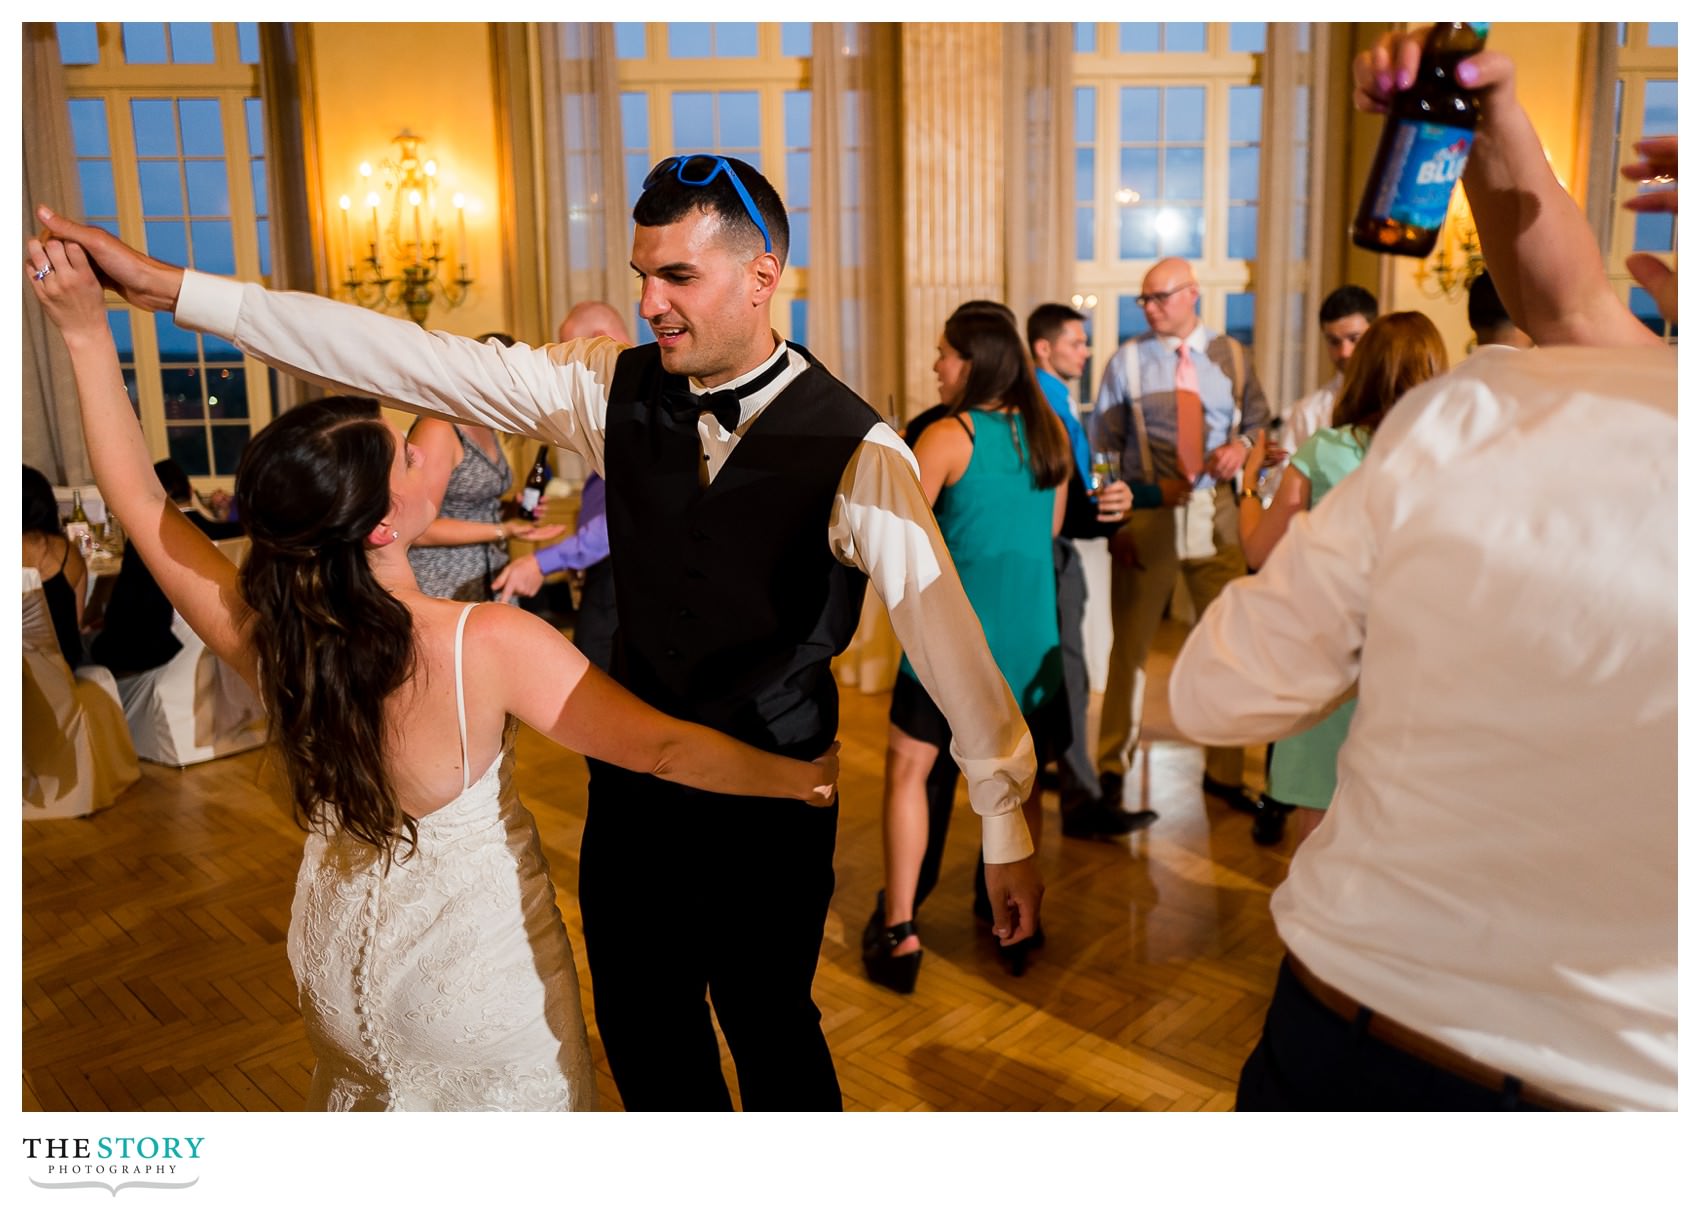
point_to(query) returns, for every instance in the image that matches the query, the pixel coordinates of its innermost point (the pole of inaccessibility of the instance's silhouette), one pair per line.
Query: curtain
(583, 217)
(1598, 129)
(53, 429)
(292, 162)
(585, 221)
(855, 271)
(1039, 150)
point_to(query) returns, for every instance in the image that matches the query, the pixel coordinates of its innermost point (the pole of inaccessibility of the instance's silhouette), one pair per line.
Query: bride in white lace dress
(434, 969)
(447, 981)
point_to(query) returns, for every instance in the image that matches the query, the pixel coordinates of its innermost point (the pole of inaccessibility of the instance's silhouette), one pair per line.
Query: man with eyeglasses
(751, 497)
(1179, 401)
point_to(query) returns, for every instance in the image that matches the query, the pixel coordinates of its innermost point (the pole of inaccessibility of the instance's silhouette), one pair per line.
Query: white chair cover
(195, 707)
(192, 708)
(77, 756)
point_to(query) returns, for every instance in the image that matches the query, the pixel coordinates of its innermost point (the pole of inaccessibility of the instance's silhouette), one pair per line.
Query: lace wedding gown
(446, 983)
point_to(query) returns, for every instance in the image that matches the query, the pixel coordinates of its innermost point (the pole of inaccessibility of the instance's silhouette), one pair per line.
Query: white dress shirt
(1314, 412)
(558, 394)
(1498, 867)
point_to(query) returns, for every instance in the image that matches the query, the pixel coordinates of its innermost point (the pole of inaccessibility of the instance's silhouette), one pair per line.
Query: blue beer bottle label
(1426, 162)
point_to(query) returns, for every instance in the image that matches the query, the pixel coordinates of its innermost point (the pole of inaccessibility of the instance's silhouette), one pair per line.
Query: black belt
(1408, 1040)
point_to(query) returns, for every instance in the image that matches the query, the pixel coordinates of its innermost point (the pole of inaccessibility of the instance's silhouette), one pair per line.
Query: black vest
(731, 603)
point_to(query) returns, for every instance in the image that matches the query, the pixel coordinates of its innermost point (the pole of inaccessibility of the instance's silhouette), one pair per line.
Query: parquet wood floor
(155, 974)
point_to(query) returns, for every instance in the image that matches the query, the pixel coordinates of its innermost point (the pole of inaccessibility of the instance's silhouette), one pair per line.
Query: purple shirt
(589, 544)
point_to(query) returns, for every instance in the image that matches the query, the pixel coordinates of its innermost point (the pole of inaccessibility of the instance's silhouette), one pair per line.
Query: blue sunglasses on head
(702, 169)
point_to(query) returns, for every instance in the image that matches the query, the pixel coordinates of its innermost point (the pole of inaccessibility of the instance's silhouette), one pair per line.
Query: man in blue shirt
(1181, 401)
(1056, 335)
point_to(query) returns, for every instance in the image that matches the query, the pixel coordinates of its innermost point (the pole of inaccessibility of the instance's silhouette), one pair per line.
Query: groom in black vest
(730, 617)
(751, 496)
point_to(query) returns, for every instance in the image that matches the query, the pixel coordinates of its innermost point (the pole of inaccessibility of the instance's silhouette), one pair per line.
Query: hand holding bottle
(1431, 122)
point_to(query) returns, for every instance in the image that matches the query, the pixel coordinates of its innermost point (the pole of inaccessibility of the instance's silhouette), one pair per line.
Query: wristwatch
(1250, 490)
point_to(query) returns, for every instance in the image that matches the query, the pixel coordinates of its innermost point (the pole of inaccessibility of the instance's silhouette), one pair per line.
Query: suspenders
(1129, 354)
(1196, 516)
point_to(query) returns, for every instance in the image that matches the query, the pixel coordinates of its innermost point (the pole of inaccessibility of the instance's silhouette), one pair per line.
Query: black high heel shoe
(983, 913)
(1017, 955)
(893, 972)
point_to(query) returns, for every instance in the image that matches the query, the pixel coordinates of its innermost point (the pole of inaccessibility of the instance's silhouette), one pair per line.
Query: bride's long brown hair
(333, 644)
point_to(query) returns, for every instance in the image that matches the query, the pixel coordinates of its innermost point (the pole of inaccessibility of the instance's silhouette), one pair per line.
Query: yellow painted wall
(1548, 56)
(373, 80)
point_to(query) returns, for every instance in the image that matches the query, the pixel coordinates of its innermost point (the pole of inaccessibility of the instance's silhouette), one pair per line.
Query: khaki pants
(1138, 597)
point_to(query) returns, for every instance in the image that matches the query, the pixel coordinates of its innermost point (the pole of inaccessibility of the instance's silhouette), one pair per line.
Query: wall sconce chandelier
(398, 259)
(1457, 258)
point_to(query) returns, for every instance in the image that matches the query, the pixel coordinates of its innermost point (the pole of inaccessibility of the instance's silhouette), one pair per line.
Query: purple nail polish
(1467, 74)
(1404, 78)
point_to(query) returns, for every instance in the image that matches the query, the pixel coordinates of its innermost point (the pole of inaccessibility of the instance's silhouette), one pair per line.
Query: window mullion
(660, 120)
(150, 397)
(1634, 115)
(1216, 177)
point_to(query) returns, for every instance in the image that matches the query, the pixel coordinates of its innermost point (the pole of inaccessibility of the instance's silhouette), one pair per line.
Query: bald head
(1169, 296)
(593, 318)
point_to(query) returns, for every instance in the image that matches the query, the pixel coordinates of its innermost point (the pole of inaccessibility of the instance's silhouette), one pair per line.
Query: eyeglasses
(1162, 296)
(702, 169)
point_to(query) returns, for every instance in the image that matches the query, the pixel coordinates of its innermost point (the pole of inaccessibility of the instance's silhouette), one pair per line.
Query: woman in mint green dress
(995, 469)
(1399, 351)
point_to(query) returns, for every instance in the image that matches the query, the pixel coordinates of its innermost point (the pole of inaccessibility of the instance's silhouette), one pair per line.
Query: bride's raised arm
(551, 686)
(195, 575)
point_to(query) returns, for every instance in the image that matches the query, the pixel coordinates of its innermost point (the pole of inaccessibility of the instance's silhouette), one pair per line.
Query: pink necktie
(1189, 417)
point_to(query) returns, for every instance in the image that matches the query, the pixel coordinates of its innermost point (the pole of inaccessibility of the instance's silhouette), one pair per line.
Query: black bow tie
(685, 406)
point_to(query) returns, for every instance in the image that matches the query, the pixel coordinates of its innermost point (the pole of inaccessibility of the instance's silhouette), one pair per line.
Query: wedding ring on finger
(43, 272)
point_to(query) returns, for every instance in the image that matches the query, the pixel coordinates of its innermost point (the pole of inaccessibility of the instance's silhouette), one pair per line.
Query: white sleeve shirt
(1497, 869)
(1314, 412)
(558, 394)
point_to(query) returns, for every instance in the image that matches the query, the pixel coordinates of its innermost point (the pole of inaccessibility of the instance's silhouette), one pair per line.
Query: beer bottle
(78, 530)
(1430, 127)
(531, 496)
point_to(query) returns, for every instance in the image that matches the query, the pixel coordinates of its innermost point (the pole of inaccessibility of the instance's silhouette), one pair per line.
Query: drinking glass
(1106, 470)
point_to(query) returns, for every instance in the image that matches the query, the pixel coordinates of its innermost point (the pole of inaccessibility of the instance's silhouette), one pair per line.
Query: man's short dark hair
(669, 200)
(1487, 313)
(173, 479)
(1348, 300)
(1049, 319)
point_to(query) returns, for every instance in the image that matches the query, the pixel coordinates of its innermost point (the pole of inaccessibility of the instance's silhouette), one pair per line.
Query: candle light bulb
(430, 168)
(460, 201)
(365, 168)
(345, 202)
(414, 197)
(372, 199)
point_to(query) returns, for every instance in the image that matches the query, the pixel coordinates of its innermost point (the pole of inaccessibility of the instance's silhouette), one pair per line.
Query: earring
(394, 535)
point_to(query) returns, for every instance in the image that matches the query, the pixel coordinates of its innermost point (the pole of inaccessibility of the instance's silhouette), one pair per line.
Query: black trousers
(1076, 771)
(593, 630)
(941, 800)
(690, 898)
(1311, 1060)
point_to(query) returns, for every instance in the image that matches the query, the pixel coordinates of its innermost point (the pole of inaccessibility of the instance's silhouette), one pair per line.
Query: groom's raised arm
(556, 394)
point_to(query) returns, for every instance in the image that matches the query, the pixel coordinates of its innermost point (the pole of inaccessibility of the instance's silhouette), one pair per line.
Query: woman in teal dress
(995, 469)
(1399, 351)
